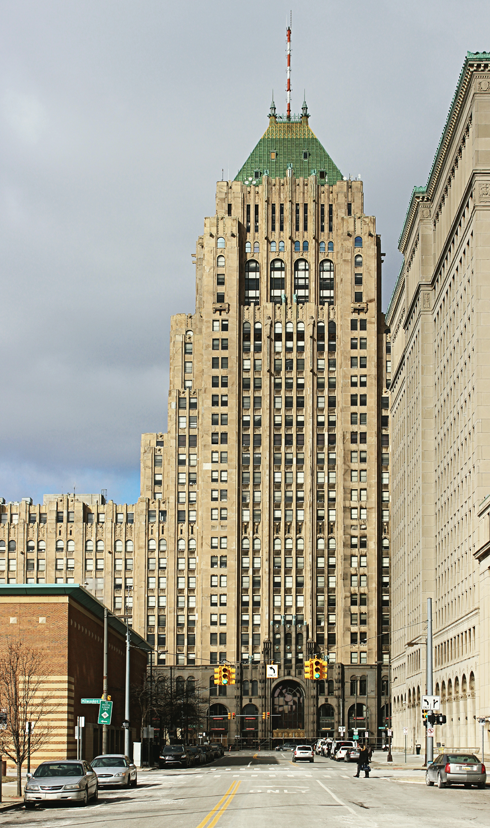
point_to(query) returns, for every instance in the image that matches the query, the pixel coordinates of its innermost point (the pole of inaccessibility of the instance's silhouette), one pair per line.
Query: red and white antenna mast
(288, 69)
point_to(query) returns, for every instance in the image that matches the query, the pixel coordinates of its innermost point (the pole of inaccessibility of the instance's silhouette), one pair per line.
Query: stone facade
(262, 530)
(438, 318)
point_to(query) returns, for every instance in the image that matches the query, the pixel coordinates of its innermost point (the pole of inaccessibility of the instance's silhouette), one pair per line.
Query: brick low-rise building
(66, 623)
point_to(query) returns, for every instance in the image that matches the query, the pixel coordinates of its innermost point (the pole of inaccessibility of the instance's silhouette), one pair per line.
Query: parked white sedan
(115, 769)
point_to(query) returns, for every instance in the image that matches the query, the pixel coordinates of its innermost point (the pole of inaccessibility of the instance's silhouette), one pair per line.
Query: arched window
(2, 546)
(385, 543)
(301, 280)
(289, 336)
(254, 689)
(297, 247)
(220, 261)
(358, 241)
(162, 545)
(273, 247)
(70, 546)
(60, 546)
(257, 336)
(189, 333)
(245, 688)
(326, 282)
(320, 544)
(326, 718)
(41, 547)
(213, 689)
(300, 544)
(221, 242)
(277, 544)
(118, 546)
(181, 545)
(288, 544)
(152, 545)
(358, 261)
(248, 247)
(300, 336)
(332, 336)
(278, 336)
(320, 341)
(246, 544)
(246, 336)
(330, 247)
(256, 545)
(256, 247)
(12, 546)
(179, 686)
(31, 546)
(281, 247)
(99, 546)
(277, 280)
(252, 283)
(129, 546)
(332, 545)
(191, 686)
(192, 546)
(322, 247)
(89, 546)
(305, 247)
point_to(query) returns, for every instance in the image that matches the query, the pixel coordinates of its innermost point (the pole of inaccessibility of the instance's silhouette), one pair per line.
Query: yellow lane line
(231, 789)
(223, 809)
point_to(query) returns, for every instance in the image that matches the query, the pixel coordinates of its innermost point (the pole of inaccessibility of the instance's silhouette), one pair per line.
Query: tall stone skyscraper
(262, 531)
(274, 471)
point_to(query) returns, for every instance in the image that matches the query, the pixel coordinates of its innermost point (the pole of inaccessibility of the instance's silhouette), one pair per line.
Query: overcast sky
(116, 120)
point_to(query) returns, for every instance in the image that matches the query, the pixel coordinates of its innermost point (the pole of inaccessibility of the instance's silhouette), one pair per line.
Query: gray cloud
(116, 119)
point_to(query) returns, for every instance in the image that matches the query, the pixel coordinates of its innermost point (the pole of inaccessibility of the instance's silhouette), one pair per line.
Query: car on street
(303, 753)
(456, 769)
(73, 780)
(115, 769)
(352, 754)
(286, 746)
(339, 745)
(210, 753)
(175, 755)
(199, 754)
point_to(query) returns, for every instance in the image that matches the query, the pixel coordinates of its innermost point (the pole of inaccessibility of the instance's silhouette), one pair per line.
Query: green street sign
(90, 701)
(105, 712)
(355, 737)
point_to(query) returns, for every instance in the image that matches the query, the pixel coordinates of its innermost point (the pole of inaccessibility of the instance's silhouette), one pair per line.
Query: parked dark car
(198, 754)
(456, 769)
(175, 755)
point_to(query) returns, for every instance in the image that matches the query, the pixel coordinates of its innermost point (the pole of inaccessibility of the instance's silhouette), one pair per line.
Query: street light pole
(105, 728)
(430, 739)
(126, 694)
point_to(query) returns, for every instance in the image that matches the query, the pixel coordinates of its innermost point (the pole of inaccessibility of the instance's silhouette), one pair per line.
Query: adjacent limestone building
(262, 530)
(440, 453)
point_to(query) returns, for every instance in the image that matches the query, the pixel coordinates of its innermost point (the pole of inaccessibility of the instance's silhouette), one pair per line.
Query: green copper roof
(289, 144)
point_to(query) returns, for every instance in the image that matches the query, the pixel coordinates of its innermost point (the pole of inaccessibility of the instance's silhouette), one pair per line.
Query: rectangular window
(273, 217)
(296, 217)
(322, 218)
(305, 217)
(256, 218)
(248, 218)
(330, 218)
(281, 217)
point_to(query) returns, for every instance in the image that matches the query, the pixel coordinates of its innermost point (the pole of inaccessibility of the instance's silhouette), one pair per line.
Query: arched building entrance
(288, 707)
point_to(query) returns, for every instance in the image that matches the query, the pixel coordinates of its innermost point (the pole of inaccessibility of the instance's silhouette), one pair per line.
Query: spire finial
(304, 108)
(288, 67)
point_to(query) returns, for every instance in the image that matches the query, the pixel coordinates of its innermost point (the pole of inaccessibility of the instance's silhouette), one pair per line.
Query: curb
(11, 806)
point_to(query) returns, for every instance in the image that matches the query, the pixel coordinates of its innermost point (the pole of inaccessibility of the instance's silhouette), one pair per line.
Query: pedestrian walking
(362, 762)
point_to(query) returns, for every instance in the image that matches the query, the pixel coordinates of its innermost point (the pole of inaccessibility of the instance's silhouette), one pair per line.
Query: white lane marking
(343, 776)
(249, 764)
(335, 797)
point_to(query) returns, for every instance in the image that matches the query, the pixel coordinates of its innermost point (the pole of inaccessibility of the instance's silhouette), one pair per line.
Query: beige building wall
(440, 440)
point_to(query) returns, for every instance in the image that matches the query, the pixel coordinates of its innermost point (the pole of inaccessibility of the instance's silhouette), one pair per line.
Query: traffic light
(229, 715)
(228, 675)
(268, 715)
(232, 673)
(233, 715)
(263, 715)
(424, 717)
(218, 675)
(440, 719)
(317, 666)
(309, 669)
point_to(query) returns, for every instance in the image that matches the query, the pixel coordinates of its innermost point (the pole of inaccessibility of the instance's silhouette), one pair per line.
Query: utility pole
(126, 695)
(105, 728)
(430, 739)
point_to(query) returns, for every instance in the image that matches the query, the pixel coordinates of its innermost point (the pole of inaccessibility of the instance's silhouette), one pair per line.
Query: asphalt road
(266, 790)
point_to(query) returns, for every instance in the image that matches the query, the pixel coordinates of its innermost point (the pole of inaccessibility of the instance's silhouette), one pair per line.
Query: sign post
(405, 731)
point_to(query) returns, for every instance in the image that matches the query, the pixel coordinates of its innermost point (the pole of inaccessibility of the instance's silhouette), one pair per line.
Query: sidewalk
(413, 763)
(9, 795)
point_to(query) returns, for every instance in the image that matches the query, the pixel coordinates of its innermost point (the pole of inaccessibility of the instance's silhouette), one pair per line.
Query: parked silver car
(456, 769)
(115, 769)
(70, 779)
